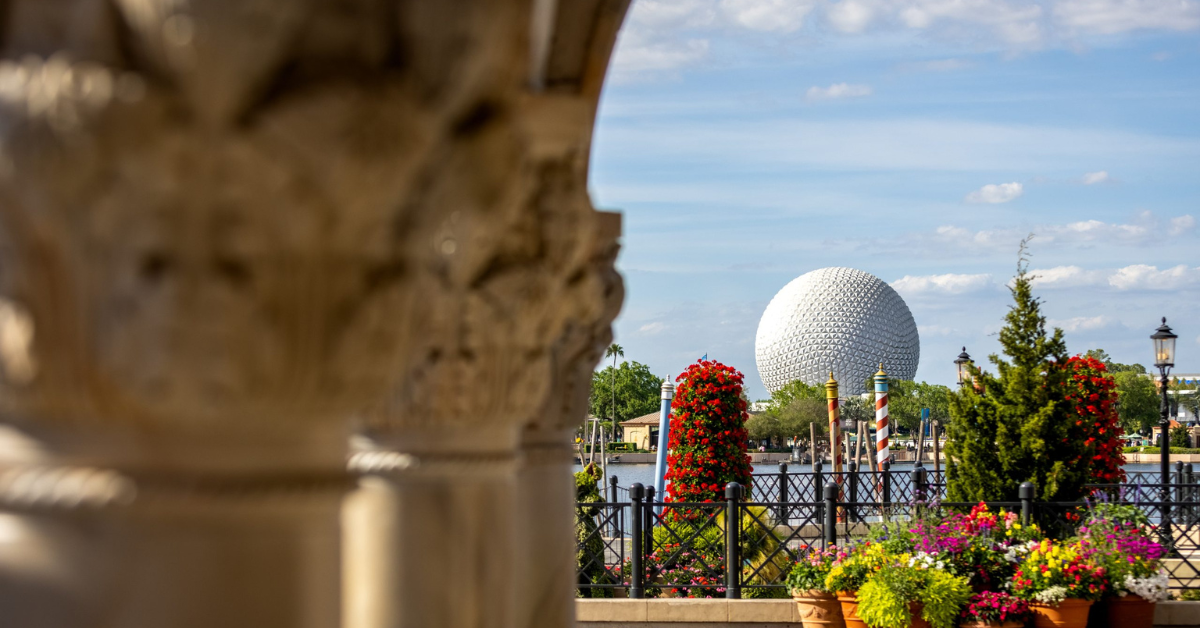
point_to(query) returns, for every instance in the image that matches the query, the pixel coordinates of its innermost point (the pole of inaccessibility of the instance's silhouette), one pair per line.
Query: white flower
(1052, 596)
(1154, 588)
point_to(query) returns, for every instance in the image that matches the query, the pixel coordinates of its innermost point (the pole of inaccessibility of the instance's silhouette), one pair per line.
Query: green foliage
(638, 391)
(792, 420)
(856, 408)
(1016, 426)
(884, 601)
(1181, 437)
(1155, 449)
(1121, 514)
(794, 390)
(1114, 367)
(907, 398)
(943, 598)
(1139, 401)
(590, 545)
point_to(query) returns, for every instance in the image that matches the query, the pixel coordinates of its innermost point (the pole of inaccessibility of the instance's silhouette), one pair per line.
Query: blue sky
(750, 141)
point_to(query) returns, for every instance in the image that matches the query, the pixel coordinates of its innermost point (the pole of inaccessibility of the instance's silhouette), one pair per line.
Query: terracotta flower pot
(818, 609)
(1070, 613)
(849, 602)
(915, 609)
(1129, 611)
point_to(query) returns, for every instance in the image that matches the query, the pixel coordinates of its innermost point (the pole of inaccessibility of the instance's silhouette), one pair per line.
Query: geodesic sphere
(838, 319)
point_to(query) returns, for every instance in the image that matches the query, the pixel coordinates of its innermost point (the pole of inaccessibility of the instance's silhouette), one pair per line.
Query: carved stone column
(225, 227)
(451, 526)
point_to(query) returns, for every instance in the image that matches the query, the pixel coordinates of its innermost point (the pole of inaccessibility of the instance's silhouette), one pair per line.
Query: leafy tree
(906, 399)
(1015, 426)
(1110, 366)
(1181, 437)
(635, 389)
(764, 426)
(1138, 407)
(708, 435)
(796, 417)
(794, 390)
(857, 408)
(614, 350)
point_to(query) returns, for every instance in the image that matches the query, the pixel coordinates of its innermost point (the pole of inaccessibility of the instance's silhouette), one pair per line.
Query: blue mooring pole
(664, 427)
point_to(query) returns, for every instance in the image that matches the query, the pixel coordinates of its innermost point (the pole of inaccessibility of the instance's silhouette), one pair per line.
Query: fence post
(918, 482)
(1025, 493)
(614, 524)
(1189, 495)
(830, 506)
(733, 525)
(1179, 481)
(887, 487)
(783, 493)
(818, 486)
(852, 511)
(648, 522)
(635, 532)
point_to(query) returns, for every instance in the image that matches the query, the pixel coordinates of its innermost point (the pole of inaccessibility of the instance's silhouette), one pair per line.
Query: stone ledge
(701, 613)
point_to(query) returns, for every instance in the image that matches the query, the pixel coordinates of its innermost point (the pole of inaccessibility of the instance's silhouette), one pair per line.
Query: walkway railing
(641, 547)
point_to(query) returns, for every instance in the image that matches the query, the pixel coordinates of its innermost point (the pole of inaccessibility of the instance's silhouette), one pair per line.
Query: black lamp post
(963, 363)
(1164, 359)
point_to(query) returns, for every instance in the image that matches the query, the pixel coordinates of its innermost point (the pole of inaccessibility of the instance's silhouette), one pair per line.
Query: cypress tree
(1014, 426)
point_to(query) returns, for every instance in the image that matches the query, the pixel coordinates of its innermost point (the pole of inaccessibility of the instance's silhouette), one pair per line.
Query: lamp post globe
(963, 364)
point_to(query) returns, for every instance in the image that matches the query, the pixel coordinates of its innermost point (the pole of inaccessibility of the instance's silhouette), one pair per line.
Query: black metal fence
(636, 545)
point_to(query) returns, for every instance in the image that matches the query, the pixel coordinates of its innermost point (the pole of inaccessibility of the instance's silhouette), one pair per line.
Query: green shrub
(883, 602)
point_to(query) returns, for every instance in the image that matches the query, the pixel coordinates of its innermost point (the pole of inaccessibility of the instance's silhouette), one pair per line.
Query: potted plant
(1060, 583)
(1118, 536)
(850, 571)
(992, 609)
(908, 595)
(818, 607)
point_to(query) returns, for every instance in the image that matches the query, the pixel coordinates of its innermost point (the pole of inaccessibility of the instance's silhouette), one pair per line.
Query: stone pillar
(225, 227)
(463, 517)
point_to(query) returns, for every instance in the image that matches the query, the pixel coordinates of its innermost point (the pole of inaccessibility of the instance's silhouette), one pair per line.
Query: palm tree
(614, 350)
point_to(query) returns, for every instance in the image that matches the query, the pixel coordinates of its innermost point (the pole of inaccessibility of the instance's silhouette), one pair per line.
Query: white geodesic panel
(838, 319)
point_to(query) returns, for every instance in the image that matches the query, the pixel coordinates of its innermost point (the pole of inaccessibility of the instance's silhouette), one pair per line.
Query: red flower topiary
(708, 434)
(1094, 395)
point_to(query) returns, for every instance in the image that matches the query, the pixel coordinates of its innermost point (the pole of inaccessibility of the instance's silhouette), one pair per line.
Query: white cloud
(1144, 277)
(850, 16)
(1180, 225)
(1080, 323)
(676, 33)
(837, 91)
(993, 193)
(950, 240)
(927, 331)
(784, 16)
(1161, 56)
(652, 328)
(1119, 16)
(1092, 178)
(942, 284)
(1067, 277)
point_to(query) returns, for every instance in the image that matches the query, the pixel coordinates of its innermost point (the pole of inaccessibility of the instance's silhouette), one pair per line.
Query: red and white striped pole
(882, 451)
